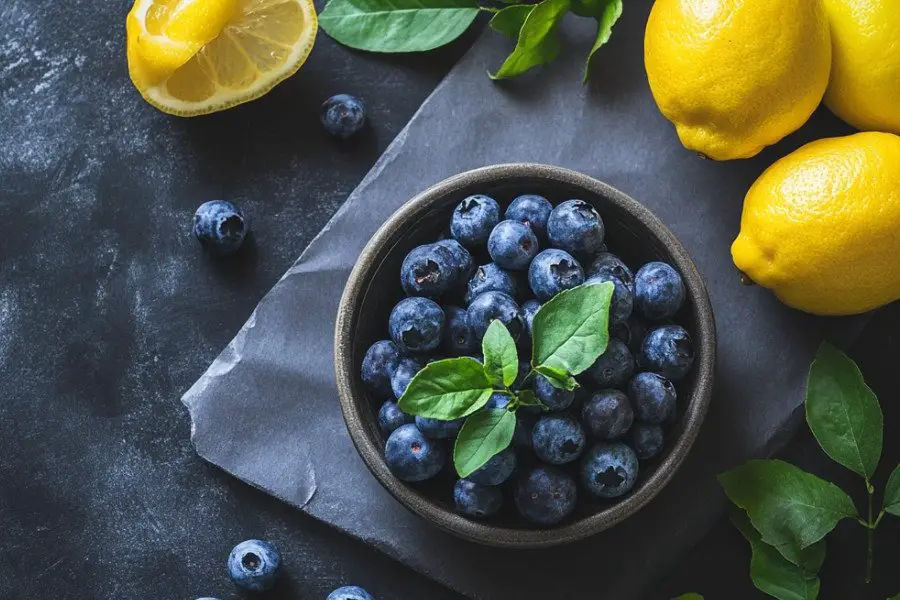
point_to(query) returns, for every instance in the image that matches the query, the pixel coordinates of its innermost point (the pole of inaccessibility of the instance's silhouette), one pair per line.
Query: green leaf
(892, 493)
(483, 435)
(501, 361)
(397, 25)
(447, 389)
(789, 507)
(771, 573)
(689, 597)
(896, 597)
(571, 330)
(558, 379)
(843, 413)
(537, 43)
(528, 398)
(605, 21)
(509, 20)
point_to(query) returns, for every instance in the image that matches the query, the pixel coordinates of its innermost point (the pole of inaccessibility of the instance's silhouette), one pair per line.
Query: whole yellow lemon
(865, 67)
(735, 76)
(821, 226)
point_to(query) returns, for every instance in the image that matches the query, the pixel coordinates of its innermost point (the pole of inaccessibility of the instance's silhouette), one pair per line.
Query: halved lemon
(194, 57)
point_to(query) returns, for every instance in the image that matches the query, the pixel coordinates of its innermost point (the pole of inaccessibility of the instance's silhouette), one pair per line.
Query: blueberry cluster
(592, 438)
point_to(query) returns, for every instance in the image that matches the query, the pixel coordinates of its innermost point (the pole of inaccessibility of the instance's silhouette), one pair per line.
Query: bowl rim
(484, 532)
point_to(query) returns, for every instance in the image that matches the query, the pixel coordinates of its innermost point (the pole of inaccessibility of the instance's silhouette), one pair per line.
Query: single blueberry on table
(496, 470)
(667, 350)
(343, 115)
(553, 271)
(417, 324)
(437, 429)
(658, 291)
(558, 439)
(403, 374)
(411, 456)
(607, 415)
(546, 495)
(653, 397)
(429, 270)
(609, 263)
(473, 220)
(378, 366)
(491, 278)
(647, 440)
(390, 417)
(576, 227)
(609, 470)
(350, 592)
(622, 302)
(512, 245)
(614, 367)
(254, 565)
(555, 399)
(474, 500)
(458, 337)
(491, 306)
(632, 332)
(532, 210)
(220, 227)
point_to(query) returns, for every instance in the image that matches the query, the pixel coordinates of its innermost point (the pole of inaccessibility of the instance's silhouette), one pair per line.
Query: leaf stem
(489, 9)
(870, 533)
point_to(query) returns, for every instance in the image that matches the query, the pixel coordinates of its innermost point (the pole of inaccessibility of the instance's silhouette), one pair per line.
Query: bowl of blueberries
(557, 456)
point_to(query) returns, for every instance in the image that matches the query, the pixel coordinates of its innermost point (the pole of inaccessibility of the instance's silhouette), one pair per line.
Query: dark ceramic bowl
(633, 232)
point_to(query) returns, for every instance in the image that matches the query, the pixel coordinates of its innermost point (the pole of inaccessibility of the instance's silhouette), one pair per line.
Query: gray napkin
(267, 410)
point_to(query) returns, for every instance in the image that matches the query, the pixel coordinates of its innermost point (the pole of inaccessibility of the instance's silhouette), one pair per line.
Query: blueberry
(533, 211)
(546, 495)
(524, 426)
(498, 400)
(553, 271)
(474, 500)
(458, 337)
(609, 470)
(390, 417)
(658, 291)
(411, 456)
(622, 302)
(437, 429)
(653, 397)
(607, 415)
(610, 264)
(614, 367)
(647, 440)
(554, 398)
(558, 439)
(220, 227)
(574, 226)
(524, 370)
(497, 469)
(254, 564)
(343, 115)
(378, 365)
(512, 245)
(491, 278)
(417, 324)
(429, 270)
(632, 332)
(490, 306)
(667, 350)
(473, 220)
(405, 371)
(350, 592)
(527, 311)
(461, 258)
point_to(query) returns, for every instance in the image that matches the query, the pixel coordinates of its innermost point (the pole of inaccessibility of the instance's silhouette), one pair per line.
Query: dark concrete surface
(109, 311)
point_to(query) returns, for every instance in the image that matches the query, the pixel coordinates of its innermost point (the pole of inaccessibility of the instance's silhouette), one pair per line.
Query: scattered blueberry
(390, 417)
(220, 227)
(546, 495)
(607, 415)
(350, 592)
(658, 291)
(667, 350)
(491, 278)
(575, 227)
(411, 456)
(609, 470)
(473, 220)
(553, 271)
(378, 366)
(512, 245)
(458, 337)
(429, 270)
(647, 440)
(609, 263)
(343, 115)
(490, 306)
(254, 565)
(417, 324)
(533, 211)
(558, 439)
(437, 429)
(475, 500)
(403, 374)
(622, 302)
(653, 397)
(614, 367)
(555, 399)
(497, 469)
